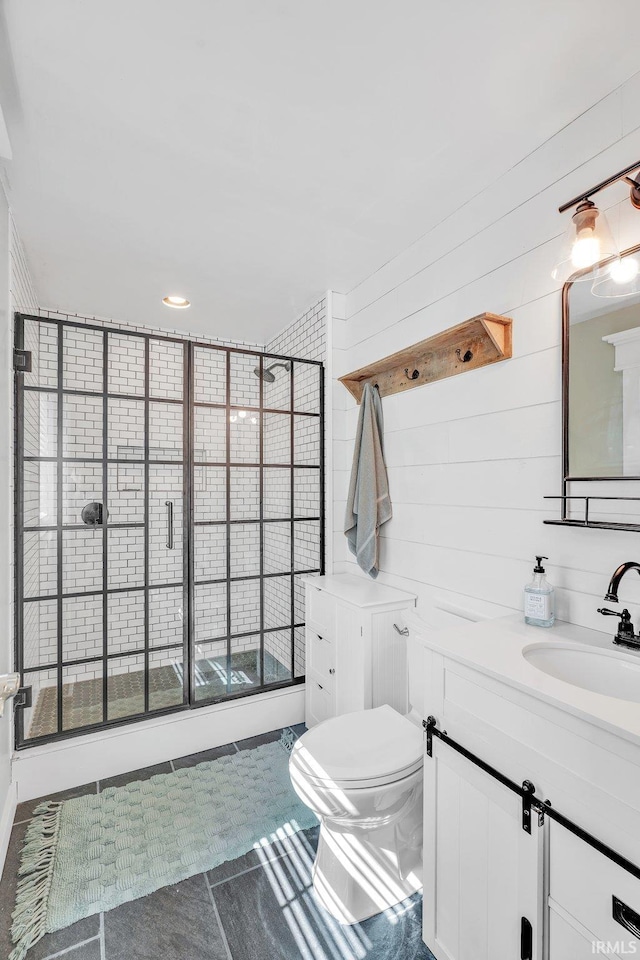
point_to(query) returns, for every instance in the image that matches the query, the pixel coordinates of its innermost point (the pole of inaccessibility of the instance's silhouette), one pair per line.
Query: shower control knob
(92, 514)
(332, 670)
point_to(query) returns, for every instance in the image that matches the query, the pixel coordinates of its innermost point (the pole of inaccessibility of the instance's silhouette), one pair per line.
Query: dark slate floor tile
(306, 840)
(144, 774)
(88, 951)
(174, 923)
(25, 810)
(259, 740)
(397, 934)
(273, 911)
(195, 758)
(53, 943)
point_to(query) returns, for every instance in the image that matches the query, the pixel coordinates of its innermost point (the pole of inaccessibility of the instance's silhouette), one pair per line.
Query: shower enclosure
(169, 496)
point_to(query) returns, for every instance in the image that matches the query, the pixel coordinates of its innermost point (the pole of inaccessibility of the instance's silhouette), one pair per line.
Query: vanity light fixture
(622, 279)
(178, 302)
(588, 240)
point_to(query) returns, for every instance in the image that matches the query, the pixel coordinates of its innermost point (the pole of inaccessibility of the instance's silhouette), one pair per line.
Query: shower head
(267, 375)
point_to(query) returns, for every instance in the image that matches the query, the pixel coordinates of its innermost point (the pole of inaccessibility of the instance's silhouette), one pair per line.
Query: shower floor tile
(82, 700)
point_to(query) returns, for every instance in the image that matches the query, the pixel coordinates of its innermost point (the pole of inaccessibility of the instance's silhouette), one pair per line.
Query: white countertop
(495, 648)
(361, 591)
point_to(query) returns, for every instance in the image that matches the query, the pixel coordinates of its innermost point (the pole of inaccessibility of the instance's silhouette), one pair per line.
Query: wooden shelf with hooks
(475, 343)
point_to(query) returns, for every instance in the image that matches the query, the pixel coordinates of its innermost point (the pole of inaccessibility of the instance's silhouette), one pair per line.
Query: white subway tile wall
(166, 369)
(39, 563)
(210, 603)
(210, 376)
(277, 547)
(245, 606)
(166, 616)
(126, 365)
(210, 553)
(40, 633)
(276, 493)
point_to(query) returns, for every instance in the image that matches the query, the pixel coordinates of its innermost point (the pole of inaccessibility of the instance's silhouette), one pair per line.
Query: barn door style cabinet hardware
(475, 343)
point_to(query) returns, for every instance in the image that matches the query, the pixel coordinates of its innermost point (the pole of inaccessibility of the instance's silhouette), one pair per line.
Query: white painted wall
(7, 796)
(470, 458)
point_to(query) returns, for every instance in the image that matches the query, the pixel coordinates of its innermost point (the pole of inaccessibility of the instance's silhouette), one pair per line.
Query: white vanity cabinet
(355, 658)
(482, 866)
(484, 876)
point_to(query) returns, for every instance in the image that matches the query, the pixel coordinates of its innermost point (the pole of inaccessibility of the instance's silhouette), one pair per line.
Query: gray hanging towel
(368, 502)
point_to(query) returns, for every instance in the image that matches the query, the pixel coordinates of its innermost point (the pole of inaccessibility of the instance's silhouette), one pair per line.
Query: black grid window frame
(261, 465)
(188, 583)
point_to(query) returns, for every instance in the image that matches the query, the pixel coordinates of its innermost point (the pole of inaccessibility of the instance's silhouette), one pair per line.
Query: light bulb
(254, 419)
(179, 302)
(242, 413)
(232, 417)
(624, 270)
(586, 249)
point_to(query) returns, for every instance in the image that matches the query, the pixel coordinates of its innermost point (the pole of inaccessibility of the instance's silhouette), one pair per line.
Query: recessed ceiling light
(179, 302)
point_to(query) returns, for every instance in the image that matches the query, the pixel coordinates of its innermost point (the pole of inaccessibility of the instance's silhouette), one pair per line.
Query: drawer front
(321, 655)
(565, 942)
(319, 701)
(321, 611)
(583, 882)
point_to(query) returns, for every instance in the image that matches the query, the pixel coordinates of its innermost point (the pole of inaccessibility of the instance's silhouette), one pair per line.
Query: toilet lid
(373, 746)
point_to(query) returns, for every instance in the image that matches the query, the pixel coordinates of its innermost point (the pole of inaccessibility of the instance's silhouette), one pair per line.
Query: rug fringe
(287, 739)
(36, 869)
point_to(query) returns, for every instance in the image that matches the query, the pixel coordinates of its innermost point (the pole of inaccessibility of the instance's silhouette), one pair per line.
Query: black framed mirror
(601, 391)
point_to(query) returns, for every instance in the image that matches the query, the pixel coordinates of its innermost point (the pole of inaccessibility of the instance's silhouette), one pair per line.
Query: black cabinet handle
(526, 939)
(332, 670)
(320, 687)
(625, 916)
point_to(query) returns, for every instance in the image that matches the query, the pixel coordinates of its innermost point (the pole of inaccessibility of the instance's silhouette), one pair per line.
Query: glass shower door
(100, 494)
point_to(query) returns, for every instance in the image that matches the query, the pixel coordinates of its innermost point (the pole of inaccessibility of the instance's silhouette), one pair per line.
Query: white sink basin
(609, 672)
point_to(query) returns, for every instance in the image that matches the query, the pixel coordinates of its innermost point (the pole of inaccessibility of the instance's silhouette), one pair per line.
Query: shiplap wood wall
(471, 458)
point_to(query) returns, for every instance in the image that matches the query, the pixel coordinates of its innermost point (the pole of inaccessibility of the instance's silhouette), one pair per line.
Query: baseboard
(39, 771)
(6, 822)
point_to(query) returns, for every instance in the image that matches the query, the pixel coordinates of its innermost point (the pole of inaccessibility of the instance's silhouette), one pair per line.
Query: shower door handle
(169, 505)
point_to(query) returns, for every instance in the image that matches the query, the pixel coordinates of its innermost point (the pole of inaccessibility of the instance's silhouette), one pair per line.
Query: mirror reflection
(603, 333)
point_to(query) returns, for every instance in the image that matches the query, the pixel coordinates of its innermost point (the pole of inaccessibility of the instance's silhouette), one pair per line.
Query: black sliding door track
(526, 792)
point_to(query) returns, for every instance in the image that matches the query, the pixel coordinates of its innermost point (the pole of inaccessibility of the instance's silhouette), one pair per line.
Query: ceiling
(250, 154)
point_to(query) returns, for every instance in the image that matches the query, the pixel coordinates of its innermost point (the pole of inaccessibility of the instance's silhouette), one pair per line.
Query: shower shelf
(475, 343)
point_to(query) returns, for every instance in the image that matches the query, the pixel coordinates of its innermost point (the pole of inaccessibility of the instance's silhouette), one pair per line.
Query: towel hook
(412, 376)
(465, 359)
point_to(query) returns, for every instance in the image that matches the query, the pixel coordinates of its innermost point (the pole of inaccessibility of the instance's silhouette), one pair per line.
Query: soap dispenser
(539, 598)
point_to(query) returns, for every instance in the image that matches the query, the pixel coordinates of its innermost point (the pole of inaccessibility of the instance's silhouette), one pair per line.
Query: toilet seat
(364, 749)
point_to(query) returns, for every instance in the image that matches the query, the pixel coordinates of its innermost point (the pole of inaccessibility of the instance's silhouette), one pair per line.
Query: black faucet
(626, 635)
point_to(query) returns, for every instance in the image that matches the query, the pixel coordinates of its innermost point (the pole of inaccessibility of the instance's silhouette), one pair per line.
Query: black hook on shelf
(467, 356)
(411, 376)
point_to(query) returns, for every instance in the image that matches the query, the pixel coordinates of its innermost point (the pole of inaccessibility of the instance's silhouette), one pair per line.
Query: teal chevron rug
(92, 853)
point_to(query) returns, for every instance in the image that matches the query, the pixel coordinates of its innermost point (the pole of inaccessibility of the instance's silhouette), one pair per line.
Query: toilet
(361, 774)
